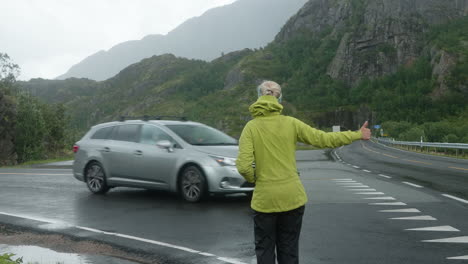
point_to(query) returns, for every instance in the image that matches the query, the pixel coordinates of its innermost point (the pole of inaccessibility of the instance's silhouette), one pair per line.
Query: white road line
(356, 186)
(152, 242)
(230, 260)
(408, 210)
(462, 239)
(346, 179)
(385, 176)
(36, 174)
(355, 167)
(362, 190)
(367, 171)
(456, 198)
(412, 184)
(419, 217)
(51, 221)
(348, 183)
(460, 257)
(207, 254)
(380, 198)
(435, 228)
(371, 193)
(393, 203)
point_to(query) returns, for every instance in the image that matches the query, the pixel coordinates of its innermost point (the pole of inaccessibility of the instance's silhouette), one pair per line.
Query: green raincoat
(269, 141)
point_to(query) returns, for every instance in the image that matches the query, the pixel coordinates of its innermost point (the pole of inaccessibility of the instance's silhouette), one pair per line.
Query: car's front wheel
(96, 178)
(192, 184)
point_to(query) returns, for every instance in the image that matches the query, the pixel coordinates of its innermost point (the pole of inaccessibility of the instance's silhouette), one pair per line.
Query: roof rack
(147, 118)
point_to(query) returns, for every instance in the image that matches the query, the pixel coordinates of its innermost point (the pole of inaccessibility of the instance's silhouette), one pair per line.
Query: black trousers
(278, 231)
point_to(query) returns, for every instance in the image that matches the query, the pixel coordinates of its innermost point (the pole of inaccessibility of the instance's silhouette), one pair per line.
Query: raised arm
(321, 139)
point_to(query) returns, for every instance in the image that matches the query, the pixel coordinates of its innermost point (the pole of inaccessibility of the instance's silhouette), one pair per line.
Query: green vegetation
(8, 259)
(33, 129)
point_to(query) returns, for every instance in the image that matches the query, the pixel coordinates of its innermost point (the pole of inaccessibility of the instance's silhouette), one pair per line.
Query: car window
(202, 135)
(127, 133)
(103, 133)
(151, 134)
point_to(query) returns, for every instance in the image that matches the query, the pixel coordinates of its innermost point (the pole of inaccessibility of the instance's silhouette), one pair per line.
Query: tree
(8, 73)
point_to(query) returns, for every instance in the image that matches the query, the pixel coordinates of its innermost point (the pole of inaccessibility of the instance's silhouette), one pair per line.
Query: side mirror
(165, 144)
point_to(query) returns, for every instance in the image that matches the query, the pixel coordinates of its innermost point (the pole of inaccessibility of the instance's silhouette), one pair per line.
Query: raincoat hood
(266, 105)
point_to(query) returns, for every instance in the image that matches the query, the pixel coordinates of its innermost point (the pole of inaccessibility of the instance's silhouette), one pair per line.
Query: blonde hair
(266, 87)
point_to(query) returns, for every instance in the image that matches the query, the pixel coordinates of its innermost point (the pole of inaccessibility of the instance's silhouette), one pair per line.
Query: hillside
(240, 25)
(340, 62)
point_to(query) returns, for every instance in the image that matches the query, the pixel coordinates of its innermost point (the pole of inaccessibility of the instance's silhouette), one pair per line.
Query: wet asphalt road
(344, 222)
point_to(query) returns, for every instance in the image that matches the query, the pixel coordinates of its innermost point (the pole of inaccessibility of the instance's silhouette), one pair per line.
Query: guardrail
(424, 144)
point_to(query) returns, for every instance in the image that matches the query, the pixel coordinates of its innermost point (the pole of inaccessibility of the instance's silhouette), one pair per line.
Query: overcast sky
(46, 37)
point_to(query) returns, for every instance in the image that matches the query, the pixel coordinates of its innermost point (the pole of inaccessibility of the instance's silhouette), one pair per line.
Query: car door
(156, 165)
(123, 151)
(100, 147)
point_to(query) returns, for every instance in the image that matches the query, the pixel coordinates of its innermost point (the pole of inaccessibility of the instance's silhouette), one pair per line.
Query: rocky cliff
(377, 36)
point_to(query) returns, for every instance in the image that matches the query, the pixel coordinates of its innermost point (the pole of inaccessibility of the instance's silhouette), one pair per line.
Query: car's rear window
(202, 135)
(103, 133)
(127, 133)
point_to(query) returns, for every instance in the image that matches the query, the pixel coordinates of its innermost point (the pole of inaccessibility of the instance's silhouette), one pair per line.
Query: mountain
(242, 24)
(340, 62)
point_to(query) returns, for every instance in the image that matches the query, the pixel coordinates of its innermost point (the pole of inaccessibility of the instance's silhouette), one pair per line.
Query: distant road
(443, 174)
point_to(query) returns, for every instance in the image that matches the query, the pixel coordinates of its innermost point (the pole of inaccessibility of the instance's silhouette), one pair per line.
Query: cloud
(47, 37)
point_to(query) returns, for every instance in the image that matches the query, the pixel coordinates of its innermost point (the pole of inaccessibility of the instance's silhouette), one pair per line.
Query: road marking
(27, 173)
(416, 161)
(412, 184)
(390, 156)
(419, 217)
(380, 198)
(356, 186)
(367, 170)
(342, 179)
(435, 228)
(230, 260)
(355, 167)
(457, 168)
(460, 257)
(349, 183)
(456, 198)
(371, 193)
(363, 190)
(45, 220)
(163, 244)
(369, 149)
(393, 203)
(385, 176)
(461, 239)
(408, 210)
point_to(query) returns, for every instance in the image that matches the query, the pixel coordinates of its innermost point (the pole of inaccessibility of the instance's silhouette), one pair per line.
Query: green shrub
(7, 259)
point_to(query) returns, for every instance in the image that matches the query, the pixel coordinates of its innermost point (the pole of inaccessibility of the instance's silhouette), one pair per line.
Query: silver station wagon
(180, 156)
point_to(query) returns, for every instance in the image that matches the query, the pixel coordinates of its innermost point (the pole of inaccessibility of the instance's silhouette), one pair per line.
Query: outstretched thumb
(365, 125)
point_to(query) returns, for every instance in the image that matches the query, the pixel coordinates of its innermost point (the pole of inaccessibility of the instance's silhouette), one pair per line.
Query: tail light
(75, 148)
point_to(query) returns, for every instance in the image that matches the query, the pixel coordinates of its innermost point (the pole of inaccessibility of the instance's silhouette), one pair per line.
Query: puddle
(39, 255)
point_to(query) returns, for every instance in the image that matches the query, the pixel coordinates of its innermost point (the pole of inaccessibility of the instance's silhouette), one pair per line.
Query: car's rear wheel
(192, 184)
(96, 178)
